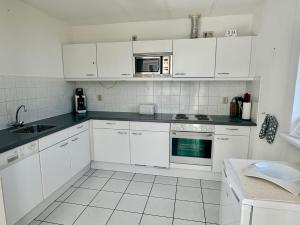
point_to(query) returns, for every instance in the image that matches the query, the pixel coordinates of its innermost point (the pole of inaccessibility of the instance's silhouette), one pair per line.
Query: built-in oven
(151, 65)
(191, 144)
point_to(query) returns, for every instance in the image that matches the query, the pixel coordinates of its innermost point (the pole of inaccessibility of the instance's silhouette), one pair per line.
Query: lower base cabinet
(22, 188)
(150, 148)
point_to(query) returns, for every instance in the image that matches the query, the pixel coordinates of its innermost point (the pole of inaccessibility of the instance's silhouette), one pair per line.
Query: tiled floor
(104, 197)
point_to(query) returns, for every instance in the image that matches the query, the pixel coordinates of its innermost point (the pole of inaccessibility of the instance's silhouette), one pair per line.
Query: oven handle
(192, 135)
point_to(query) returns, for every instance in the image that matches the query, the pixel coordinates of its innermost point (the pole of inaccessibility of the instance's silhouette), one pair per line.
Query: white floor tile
(155, 220)
(166, 180)
(189, 194)
(90, 172)
(66, 194)
(123, 175)
(144, 177)
(34, 222)
(186, 222)
(160, 207)
(65, 214)
(163, 191)
(132, 203)
(47, 211)
(80, 181)
(103, 173)
(107, 199)
(188, 182)
(124, 218)
(189, 211)
(82, 196)
(139, 188)
(212, 213)
(116, 185)
(211, 196)
(94, 183)
(211, 184)
(94, 216)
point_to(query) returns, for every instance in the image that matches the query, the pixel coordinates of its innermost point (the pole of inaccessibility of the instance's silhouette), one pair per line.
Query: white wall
(30, 41)
(163, 29)
(277, 52)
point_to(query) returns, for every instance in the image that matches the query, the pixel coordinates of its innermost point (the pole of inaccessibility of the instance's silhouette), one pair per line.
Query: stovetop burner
(181, 117)
(198, 117)
(202, 117)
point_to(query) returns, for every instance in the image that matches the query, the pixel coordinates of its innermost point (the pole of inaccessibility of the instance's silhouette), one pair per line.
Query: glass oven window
(147, 65)
(191, 147)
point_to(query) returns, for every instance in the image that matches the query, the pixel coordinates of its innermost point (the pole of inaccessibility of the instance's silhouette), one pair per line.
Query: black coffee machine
(80, 101)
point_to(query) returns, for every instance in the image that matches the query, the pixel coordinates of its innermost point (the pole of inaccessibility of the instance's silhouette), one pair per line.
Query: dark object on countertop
(269, 128)
(236, 107)
(247, 97)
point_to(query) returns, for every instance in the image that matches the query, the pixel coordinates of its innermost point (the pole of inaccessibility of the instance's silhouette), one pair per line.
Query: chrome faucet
(19, 123)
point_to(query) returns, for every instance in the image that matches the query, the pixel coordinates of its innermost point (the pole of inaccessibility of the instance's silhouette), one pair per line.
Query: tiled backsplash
(43, 97)
(169, 97)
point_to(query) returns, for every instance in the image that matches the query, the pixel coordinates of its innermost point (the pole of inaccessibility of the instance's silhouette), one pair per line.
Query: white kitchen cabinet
(2, 209)
(227, 146)
(233, 56)
(152, 46)
(55, 167)
(111, 145)
(22, 187)
(79, 61)
(150, 148)
(79, 152)
(115, 60)
(194, 57)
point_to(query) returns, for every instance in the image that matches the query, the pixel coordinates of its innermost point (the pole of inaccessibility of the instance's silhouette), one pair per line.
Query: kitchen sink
(37, 128)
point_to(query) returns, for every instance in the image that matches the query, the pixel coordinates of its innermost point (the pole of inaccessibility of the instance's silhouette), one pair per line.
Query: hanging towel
(264, 127)
(269, 128)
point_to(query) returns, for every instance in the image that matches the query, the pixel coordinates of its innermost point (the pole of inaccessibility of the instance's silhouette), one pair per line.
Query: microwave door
(147, 65)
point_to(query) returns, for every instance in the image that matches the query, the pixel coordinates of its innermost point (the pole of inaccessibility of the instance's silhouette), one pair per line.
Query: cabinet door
(111, 145)
(115, 60)
(22, 188)
(194, 57)
(80, 61)
(149, 148)
(79, 152)
(55, 167)
(226, 147)
(233, 57)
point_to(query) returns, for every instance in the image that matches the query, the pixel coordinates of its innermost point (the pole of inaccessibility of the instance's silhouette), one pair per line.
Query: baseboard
(44, 204)
(195, 173)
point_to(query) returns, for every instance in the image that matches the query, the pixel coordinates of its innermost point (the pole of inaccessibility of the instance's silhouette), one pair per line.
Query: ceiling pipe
(195, 25)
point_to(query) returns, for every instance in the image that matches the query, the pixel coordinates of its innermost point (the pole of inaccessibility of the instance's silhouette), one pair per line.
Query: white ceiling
(83, 12)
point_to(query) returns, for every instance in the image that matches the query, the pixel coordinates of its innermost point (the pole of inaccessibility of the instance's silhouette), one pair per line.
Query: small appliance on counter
(246, 114)
(80, 101)
(236, 107)
(147, 109)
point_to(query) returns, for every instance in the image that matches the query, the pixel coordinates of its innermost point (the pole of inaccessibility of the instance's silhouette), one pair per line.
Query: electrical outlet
(225, 100)
(99, 98)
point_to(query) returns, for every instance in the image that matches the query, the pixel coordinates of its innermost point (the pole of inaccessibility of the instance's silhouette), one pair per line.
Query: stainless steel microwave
(151, 65)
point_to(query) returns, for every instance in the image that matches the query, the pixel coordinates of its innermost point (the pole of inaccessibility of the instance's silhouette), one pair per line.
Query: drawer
(148, 126)
(111, 124)
(53, 139)
(232, 130)
(78, 128)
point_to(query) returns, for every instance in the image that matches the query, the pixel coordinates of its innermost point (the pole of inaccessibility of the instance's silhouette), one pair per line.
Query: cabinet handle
(90, 75)
(232, 129)
(235, 195)
(110, 123)
(223, 73)
(125, 74)
(119, 132)
(75, 139)
(136, 133)
(182, 74)
(63, 145)
(79, 127)
(223, 139)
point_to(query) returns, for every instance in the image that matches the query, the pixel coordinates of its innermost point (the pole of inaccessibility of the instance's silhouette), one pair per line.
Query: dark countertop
(9, 140)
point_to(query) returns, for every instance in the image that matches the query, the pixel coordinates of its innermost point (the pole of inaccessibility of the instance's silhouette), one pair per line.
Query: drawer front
(148, 126)
(111, 124)
(78, 128)
(232, 130)
(53, 139)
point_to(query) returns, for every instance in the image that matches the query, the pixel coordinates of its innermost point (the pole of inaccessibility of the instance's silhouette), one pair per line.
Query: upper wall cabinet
(194, 57)
(144, 47)
(233, 57)
(115, 60)
(80, 61)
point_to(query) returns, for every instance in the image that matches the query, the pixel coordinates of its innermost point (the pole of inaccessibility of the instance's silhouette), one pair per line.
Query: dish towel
(269, 128)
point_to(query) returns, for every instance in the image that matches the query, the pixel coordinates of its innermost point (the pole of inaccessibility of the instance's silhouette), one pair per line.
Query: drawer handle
(235, 195)
(90, 75)
(223, 139)
(137, 133)
(75, 139)
(110, 123)
(125, 74)
(119, 132)
(79, 127)
(180, 74)
(64, 144)
(232, 129)
(223, 73)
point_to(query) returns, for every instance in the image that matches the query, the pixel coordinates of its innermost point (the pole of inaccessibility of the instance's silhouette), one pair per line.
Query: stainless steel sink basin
(37, 128)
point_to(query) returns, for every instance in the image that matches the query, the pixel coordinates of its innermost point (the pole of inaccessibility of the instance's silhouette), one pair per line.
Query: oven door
(191, 148)
(147, 65)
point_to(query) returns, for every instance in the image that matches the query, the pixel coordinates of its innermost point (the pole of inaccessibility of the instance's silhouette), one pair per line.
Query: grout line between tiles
(175, 202)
